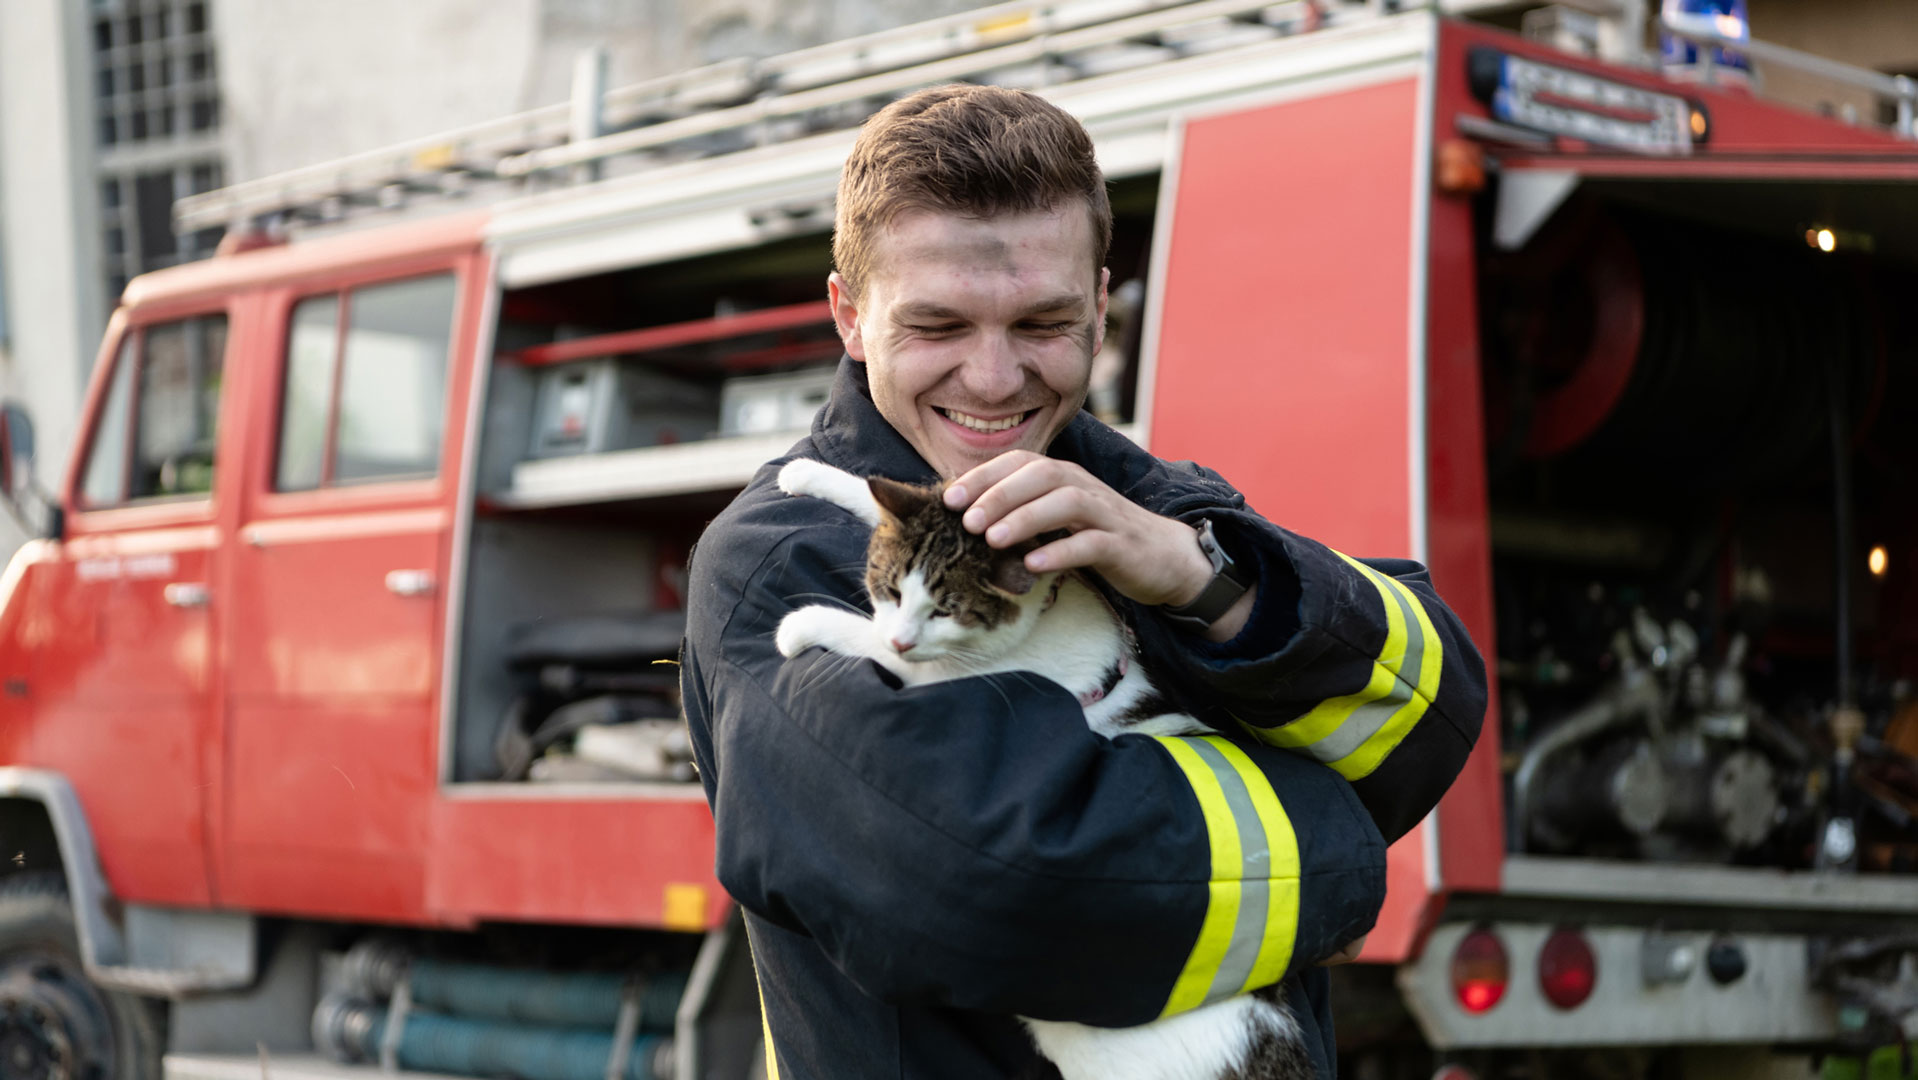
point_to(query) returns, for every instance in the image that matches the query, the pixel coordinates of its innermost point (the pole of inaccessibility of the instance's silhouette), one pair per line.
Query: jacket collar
(850, 434)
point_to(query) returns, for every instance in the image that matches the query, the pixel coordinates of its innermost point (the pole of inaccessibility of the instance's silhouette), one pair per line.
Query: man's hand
(1151, 559)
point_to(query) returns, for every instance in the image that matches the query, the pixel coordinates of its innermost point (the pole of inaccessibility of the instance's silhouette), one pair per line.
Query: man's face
(978, 334)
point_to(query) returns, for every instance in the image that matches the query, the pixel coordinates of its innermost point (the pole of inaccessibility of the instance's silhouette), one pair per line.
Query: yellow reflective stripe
(1372, 752)
(1282, 845)
(1254, 860)
(1328, 715)
(765, 1026)
(1222, 896)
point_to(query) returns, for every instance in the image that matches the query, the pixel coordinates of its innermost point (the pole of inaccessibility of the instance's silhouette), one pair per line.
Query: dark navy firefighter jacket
(919, 866)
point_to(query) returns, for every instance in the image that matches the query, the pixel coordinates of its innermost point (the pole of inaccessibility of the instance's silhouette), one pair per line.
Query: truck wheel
(54, 1024)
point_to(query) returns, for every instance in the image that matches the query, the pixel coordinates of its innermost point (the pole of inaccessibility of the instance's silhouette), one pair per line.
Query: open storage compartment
(1700, 407)
(622, 411)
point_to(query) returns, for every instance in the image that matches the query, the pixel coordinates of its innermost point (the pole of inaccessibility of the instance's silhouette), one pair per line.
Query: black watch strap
(1229, 582)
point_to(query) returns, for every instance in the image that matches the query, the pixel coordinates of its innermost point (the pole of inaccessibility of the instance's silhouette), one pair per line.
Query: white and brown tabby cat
(948, 606)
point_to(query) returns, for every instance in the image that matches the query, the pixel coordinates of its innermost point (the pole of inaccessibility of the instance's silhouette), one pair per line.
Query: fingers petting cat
(1020, 495)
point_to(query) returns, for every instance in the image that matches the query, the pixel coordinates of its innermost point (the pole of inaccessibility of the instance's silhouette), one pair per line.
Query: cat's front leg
(804, 476)
(837, 630)
(834, 629)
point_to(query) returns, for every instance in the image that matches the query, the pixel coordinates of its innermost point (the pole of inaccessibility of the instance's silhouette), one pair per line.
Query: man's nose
(903, 646)
(994, 373)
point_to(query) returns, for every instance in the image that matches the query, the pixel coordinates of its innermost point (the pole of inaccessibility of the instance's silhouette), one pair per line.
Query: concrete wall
(307, 81)
(51, 233)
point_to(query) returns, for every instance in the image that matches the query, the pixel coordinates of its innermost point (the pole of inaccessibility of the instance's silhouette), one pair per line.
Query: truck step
(277, 1067)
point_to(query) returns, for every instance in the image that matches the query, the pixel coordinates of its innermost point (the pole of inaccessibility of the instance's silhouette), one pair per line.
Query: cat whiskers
(829, 665)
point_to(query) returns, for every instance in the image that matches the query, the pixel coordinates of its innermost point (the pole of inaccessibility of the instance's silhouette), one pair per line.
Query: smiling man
(918, 866)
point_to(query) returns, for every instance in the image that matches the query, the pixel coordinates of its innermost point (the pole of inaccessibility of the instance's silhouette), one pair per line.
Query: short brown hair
(979, 151)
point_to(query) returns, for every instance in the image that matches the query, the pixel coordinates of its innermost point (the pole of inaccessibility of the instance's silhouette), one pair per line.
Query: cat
(945, 606)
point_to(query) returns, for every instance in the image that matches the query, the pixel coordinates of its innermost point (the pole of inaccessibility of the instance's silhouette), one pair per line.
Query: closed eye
(941, 613)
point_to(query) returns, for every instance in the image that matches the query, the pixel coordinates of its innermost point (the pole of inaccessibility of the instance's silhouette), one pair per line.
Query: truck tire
(54, 1023)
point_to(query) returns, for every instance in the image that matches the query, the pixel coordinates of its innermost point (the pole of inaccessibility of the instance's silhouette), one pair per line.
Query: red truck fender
(125, 947)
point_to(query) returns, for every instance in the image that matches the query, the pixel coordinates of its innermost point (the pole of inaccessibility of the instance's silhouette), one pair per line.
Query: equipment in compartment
(1670, 757)
(610, 674)
(761, 404)
(593, 406)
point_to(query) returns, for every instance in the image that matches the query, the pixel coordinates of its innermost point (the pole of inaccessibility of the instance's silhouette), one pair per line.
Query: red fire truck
(336, 695)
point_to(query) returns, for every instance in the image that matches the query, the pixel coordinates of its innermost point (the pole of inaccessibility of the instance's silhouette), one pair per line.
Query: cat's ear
(899, 500)
(1009, 573)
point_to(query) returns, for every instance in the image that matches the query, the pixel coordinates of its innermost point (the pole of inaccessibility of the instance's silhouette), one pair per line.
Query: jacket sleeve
(1355, 663)
(971, 844)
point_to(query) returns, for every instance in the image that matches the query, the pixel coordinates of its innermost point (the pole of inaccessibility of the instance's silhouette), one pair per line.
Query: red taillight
(1567, 970)
(1479, 971)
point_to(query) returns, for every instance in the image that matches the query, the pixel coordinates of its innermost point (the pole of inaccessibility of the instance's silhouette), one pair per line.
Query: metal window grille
(157, 107)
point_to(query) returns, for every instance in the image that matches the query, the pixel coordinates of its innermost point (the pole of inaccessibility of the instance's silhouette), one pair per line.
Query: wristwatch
(1229, 582)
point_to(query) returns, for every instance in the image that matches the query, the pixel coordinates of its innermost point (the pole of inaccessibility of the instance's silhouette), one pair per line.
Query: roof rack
(743, 103)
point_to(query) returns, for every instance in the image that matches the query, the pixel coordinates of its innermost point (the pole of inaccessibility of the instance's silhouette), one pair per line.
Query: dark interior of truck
(1700, 410)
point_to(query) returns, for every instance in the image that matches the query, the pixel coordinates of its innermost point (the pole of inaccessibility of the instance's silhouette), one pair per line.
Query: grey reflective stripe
(1255, 868)
(1368, 718)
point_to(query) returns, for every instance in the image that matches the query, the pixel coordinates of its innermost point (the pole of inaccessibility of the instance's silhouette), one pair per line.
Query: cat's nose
(903, 647)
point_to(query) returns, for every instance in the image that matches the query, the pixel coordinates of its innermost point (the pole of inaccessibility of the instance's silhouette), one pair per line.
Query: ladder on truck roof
(744, 103)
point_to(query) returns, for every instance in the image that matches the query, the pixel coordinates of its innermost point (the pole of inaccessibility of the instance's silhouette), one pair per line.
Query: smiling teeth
(985, 426)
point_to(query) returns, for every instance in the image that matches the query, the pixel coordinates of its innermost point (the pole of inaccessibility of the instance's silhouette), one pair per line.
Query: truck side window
(106, 477)
(157, 429)
(180, 376)
(373, 407)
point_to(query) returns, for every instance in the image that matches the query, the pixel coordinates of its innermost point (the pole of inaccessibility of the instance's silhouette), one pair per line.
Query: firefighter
(918, 867)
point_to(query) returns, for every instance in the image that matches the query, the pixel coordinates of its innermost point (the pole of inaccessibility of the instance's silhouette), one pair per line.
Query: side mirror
(16, 475)
(16, 449)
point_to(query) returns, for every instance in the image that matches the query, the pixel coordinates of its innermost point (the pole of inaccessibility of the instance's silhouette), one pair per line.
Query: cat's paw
(804, 476)
(801, 630)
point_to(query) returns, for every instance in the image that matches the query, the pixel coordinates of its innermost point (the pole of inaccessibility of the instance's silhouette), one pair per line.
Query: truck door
(334, 645)
(133, 692)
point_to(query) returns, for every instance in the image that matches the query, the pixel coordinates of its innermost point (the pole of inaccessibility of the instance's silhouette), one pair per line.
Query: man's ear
(1009, 571)
(900, 500)
(845, 315)
(1099, 321)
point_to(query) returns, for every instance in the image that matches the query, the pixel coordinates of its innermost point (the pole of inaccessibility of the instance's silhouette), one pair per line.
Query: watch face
(1227, 585)
(1209, 543)
(1223, 564)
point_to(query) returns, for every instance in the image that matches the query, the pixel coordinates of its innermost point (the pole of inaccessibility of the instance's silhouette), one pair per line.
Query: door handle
(186, 594)
(409, 582)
